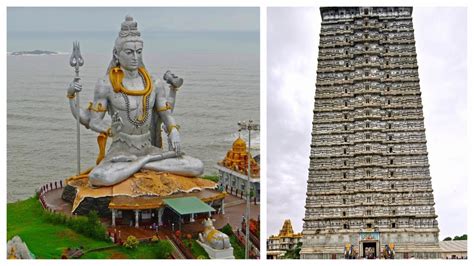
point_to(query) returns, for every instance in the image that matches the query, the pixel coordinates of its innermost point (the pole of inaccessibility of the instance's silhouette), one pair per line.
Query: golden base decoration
(142, 183)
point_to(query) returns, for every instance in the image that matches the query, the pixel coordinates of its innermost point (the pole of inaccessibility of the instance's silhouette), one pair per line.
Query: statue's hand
(174, 81)
(117, 124)
(74, 86)
(175, 140)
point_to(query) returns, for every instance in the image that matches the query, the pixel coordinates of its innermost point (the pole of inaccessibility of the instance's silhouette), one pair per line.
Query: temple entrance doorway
(369, 250)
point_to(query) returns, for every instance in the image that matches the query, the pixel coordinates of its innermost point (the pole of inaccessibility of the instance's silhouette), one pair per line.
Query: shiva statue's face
(130, 55)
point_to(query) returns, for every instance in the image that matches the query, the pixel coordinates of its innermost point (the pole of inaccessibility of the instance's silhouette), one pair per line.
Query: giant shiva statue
(140, 106)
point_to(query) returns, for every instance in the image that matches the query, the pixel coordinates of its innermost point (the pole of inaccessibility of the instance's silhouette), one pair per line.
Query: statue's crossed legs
(117, 167)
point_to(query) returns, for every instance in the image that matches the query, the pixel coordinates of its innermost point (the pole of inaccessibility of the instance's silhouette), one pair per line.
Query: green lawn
(196, 249)
(239, 251)
(45, 240)
(156, 250)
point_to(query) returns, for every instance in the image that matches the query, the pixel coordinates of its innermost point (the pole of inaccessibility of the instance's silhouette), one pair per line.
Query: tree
(163, 249)
(214, 178)
(131, 242)
(463, 237)
(293, 253)
(252, 192)
(93, 218)
(227, 229)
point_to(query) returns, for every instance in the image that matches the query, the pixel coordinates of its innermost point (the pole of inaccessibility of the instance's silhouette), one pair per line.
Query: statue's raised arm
(98, 108)
(174, 83)
(164, 108)
(75, 87)
(91, 117)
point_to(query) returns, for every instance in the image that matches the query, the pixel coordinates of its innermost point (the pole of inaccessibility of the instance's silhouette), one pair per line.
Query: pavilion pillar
(210, 205)
(192, 218)
(136, 219)
(113, 217)
(160, 216)
(222, 207)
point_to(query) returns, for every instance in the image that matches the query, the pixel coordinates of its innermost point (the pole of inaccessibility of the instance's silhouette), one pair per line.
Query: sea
(221, 87)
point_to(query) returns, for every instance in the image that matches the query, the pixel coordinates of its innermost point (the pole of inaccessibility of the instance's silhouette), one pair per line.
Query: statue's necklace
(116, 77)
(142, 118)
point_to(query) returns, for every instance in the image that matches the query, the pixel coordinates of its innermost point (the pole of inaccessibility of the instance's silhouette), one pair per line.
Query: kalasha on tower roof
(237, 159)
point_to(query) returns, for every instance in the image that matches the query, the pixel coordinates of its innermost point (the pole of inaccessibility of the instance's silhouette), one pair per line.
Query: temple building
(278, 245)
(233, 173)
(369, 190)
(453, 249)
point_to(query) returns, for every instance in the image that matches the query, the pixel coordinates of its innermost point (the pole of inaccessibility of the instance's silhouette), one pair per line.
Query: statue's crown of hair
(129, 28)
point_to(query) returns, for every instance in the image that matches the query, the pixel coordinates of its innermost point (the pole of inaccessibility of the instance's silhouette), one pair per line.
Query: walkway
(55, 202)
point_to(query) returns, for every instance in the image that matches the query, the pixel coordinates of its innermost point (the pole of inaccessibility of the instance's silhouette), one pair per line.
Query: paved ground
(233, 215)
(55, 202)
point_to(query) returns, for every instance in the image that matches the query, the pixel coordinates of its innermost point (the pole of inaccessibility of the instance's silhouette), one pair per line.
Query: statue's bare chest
(123, 102)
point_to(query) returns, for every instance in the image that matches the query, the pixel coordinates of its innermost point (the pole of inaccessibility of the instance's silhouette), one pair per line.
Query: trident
(77, 61)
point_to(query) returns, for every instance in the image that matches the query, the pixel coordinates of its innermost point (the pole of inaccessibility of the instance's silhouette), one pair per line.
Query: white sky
(441, 44)
(92, 19)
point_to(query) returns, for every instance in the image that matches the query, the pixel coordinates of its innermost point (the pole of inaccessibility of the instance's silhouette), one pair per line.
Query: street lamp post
(249, 126)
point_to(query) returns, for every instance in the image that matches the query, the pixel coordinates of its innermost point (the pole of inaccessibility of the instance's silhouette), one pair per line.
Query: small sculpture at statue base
(216, 243)
(218, 253)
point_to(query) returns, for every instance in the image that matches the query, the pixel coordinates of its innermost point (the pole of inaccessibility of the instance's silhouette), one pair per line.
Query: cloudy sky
(441, 44)
(168, 29)
(152, 18)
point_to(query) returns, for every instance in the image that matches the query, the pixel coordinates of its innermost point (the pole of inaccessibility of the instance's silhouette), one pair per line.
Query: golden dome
(237, 159)
(239, 145)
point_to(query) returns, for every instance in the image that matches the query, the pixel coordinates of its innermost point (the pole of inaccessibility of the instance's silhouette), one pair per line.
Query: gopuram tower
(369, 187)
